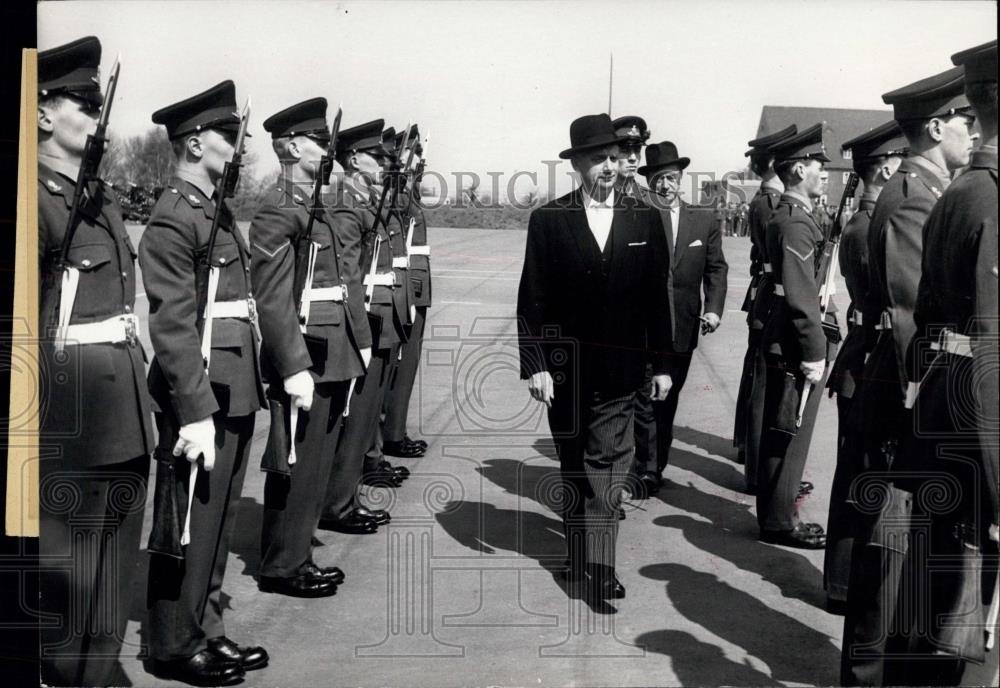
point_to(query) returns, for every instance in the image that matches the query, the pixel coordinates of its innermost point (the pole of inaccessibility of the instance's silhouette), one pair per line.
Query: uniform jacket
(794, 329)
(758, 215)
(958, 290)
(591, 317)
(280, 252)
(385, 302)
(97, 409)
(174, 242)
(696, 263)
(895, 243)
(420, 266)
(848, 367)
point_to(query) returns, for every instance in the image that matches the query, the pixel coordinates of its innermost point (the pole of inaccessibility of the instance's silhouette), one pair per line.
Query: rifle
(826, 266)
(93, 153)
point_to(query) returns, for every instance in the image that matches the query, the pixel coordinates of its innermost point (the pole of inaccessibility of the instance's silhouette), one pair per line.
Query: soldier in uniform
(876, 155)
(396, 441)
(794, 342)
(634, 133)
(95, 428)
(750, 397)
(936, 120)
(360, 152)
(313, 334)
(695, 264)
(199, 413)
(954, 355)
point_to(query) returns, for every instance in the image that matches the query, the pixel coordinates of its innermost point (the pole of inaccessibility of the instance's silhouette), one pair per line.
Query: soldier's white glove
(299, 387)
(813, 370)
(542, 388)
(197, 439)
(366, 356)
(710, 322)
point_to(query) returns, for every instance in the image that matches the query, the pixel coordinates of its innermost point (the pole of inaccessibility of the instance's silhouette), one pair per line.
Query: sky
(495, 85)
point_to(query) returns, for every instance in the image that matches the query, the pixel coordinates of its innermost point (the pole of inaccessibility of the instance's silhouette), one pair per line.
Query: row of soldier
(913, 506)
(318, 317)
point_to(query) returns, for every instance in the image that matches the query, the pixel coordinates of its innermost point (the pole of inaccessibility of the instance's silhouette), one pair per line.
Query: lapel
(579, 229)
(621, 225)
(683, 232)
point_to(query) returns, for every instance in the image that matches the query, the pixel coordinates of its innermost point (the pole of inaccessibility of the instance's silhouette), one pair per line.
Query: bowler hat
(590, 131)
(660, 156)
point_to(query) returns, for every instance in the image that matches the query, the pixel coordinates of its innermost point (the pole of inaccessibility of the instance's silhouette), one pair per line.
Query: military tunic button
(128, 309)
(85, 262)
(124, 275)
(222, 261)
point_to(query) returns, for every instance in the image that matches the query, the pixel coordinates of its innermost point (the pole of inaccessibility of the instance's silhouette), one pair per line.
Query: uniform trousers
(658, 435)
(356, 435)
(184, 596)
(394, 428)
(90, 523)
(840, 523)
(293, 502)
(783, 455)
(596, 447)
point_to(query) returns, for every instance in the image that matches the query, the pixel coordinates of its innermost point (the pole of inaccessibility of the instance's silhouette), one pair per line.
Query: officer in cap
(750, 397)
(96, 424)
(360, 153)
(634, 133)
(197, 414)
(936, 120)
(396, 440)
(955, 357)
(309, 351)
(876, 156)
(794, 342)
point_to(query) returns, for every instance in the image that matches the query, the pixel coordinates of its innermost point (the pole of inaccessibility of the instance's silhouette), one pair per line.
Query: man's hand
(661, 386)
(366, 356)
(813, 370)
(299, 386)
(541, 387)
(710, 323)
(197, 439)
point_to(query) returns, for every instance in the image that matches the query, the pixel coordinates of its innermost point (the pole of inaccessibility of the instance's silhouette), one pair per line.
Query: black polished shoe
(202, 669)
(402, 450)
(381, 478)
(606, 587)
(621, 514)
(651, 483)
(353, 524)
(805, 487)
(302, 585)
(250, 658)
(380, 516)
(326, 573)
(802, 536)
(417, 443)
(401, 472)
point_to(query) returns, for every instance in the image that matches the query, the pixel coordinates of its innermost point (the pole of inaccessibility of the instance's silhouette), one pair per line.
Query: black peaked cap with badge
(590, 131)
(762, 144)
(73, 69)
(882, 141)
(414, 134)
(389, 142)
(805, 145)
(362, 138)
(631, 128)
(659, 156)
(936, 96)
(979, 63)
(212, 109)
(307, 118)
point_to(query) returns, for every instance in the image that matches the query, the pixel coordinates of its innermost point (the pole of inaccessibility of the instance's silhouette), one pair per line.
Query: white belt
(753, 293)
(420, 250)
(231, 309)
(120, 328)
(381, 279)
(857, 317)
(779, 290)
(402, 262)
(953, 343)
(337, 293)
(767, 268)
(885, 321)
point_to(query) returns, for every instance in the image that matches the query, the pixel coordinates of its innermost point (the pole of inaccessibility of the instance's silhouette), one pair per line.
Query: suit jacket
(172, 246)
(696, 263)
(280, 255)
(98, 408)
(594, 318)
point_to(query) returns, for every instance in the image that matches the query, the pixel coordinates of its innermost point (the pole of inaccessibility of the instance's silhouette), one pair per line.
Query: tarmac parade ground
(460, 589)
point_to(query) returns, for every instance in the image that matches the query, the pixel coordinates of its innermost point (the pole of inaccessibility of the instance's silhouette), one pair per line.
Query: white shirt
(600, 216)
(675, 221)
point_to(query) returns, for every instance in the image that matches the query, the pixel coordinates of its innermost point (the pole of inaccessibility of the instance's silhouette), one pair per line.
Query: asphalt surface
(459, 589)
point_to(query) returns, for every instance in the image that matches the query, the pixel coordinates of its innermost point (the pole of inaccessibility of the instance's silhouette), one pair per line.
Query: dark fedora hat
(590, 131)
(660, 156)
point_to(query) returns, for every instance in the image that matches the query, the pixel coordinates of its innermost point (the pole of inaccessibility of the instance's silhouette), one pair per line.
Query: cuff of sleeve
(194, 407)
(295, 363)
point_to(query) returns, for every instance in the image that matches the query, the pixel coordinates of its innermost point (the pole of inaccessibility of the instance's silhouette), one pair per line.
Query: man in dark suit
(592, 309)
(694, 263)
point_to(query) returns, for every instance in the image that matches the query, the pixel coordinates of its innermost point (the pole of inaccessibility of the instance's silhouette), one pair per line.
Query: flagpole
(611, 77)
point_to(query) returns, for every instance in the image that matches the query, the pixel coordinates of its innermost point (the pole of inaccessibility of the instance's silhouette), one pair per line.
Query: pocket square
(637, 243)
(696, 242)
